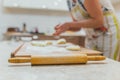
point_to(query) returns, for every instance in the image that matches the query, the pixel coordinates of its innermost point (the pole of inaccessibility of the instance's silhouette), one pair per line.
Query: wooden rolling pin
(56, 59)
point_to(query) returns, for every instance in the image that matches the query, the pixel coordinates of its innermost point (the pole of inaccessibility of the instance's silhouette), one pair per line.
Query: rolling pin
(56, 59)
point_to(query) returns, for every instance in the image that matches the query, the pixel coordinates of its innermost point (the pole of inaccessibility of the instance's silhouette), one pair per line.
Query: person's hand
(60, 28)
(57, 26)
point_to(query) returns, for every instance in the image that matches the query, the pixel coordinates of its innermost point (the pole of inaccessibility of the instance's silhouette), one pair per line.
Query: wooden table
(105, 70)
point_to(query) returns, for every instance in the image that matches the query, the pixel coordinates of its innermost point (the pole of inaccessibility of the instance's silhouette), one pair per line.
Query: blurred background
(25, 18)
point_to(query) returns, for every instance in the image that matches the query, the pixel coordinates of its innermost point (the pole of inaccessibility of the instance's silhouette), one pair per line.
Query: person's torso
(79, 12)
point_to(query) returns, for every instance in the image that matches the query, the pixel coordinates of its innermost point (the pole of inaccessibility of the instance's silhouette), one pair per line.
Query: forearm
(89, 23)
(75, 29)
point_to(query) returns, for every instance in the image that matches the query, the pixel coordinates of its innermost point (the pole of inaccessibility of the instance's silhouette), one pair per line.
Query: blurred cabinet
(37, 4)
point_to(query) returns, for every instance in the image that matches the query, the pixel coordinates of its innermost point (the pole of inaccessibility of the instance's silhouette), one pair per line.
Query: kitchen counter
(104, 70)
(75, 38)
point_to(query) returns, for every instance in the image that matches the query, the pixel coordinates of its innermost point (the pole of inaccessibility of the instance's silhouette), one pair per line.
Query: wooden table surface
(104, 70)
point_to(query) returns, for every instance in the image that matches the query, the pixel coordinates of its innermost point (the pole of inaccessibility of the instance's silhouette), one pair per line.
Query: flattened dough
(37, 43)
(61, 41)
(49, 42)
(73, 48)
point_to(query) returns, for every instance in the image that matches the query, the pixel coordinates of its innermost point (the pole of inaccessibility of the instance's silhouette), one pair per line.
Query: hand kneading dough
(61, 41)
(73, 48)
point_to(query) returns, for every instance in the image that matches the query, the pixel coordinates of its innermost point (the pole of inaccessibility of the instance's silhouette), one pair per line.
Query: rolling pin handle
(96, 58)
(19, 60)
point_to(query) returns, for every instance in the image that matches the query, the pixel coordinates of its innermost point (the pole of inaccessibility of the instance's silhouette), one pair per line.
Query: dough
(61, 41)
(38, 43)
(35, 43)
(73, 48)
(42, 44)
(49, 43)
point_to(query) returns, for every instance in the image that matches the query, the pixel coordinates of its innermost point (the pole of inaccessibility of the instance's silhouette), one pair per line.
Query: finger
(55, 34)
(57, 26)
(58, 32)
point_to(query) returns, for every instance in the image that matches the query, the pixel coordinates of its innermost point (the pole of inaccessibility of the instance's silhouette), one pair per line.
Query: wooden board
(53, 54)
(27, 50)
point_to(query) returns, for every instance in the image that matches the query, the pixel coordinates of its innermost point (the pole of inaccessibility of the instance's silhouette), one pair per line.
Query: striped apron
(106, 38)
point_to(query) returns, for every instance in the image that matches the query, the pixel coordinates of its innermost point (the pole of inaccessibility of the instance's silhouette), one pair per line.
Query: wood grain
(57, 59)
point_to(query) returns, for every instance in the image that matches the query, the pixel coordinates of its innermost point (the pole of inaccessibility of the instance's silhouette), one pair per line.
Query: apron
(105, 39)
